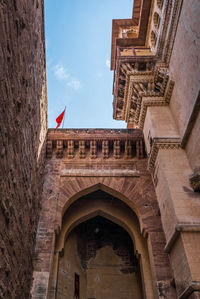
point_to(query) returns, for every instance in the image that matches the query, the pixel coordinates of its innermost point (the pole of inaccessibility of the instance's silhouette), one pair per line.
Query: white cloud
(62, 73)
(108, 62)
(74, 83)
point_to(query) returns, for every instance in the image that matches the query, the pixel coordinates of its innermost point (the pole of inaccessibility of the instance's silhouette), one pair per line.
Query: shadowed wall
(23, 126)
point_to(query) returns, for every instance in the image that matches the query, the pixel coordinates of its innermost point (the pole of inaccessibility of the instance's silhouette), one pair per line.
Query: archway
(98, 261)
(83, 213)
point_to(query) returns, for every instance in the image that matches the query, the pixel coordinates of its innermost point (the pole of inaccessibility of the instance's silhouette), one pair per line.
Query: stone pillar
(82, 149)
(70, 149)
(128, 149)
(116, 149)
(59, 148)
(93, 149)
(105, 149)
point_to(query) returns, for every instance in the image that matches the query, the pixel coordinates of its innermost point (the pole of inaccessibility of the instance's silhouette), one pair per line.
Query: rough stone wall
(23, 125)
(69, 265)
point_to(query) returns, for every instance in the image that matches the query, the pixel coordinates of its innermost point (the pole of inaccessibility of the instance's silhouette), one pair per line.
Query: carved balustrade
(95, 144)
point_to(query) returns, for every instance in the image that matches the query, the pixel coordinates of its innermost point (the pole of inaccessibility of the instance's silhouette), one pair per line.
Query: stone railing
(95, 144)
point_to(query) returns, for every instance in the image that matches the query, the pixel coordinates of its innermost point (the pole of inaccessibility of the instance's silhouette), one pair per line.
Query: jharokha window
(76, 286)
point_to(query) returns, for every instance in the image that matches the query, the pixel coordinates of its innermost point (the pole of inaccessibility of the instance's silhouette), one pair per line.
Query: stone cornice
(129, 68)
(162, 143)
(94, 134)
(95, 144)
(194, 286)
(130, 101)
(154, 101)
(180, 227)
(93, 172)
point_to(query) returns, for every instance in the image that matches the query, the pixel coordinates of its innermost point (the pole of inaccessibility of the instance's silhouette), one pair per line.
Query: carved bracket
(161, 143)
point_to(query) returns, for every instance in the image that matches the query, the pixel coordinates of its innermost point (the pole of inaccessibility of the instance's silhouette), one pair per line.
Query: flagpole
(63, 119)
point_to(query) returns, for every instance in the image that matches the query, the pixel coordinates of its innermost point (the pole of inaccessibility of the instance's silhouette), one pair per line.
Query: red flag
(59, 119)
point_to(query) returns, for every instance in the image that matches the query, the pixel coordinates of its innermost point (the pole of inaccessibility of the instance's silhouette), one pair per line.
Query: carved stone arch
(106, 188)
(136, 192)
(106, 212)
(78, 212)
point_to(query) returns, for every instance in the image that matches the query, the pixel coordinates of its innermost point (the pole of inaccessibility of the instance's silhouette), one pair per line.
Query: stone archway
(90, 206)
(121, 172)
(98, 261)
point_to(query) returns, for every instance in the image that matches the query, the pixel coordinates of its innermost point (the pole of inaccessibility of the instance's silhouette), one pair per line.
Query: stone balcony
(138, 74)
(95, 144)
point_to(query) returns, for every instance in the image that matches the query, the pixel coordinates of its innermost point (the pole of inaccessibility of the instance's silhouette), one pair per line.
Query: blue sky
(78, 46)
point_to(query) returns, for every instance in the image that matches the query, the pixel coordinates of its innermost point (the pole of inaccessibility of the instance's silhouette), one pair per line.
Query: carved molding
(156, 101)
(174, 9)
(98, 144)
(162, 143)
(153, 84)
(92, 172)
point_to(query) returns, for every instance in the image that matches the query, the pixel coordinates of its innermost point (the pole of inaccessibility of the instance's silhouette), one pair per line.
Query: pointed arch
(81, 208)
(103, 187)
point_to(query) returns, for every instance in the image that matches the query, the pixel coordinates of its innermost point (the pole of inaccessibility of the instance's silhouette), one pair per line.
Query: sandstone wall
(23, 125)
(104, 261)
(61, 189)
(185, 71)
(68, 266)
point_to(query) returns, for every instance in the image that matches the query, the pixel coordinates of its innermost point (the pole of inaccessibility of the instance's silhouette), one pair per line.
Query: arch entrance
(101, 252)
(99, 262)
(91, 174)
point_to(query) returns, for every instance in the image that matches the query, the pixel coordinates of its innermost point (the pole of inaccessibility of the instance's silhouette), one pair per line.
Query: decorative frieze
(132, 87)
(96, 144)
(161, 143)
(154, 101)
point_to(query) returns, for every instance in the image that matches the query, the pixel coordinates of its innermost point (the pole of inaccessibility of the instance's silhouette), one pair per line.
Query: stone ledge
(177, 230)
(162, 143)
(193, 287)
(100, 172)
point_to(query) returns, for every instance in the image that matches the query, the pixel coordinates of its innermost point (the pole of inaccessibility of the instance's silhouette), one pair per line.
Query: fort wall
(23, 126)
